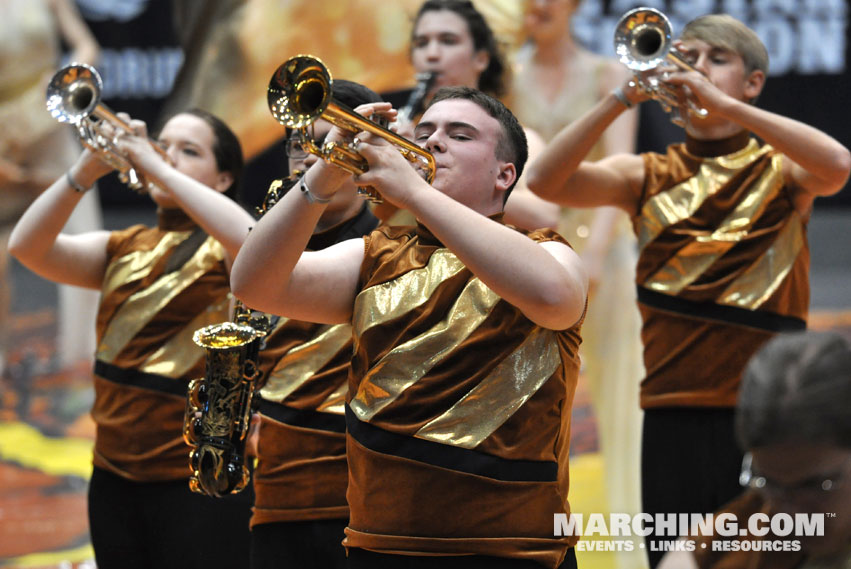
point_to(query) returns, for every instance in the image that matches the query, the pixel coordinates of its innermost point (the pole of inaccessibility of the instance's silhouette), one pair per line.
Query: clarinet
(415, 99)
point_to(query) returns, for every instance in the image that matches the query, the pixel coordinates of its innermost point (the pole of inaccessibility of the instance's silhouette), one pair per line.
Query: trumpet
(73, 96)
(301, 91)
(643, 43)
(219, 405)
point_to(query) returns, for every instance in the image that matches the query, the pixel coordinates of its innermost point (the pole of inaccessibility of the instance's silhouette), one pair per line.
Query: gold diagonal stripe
(180, 354)
(681, 201)
(336, 402)
(302, 362)
(491, 403)
(408, 363)
(750, 290)
(389, 300)
(692, 260)
(138, 264)
(137, 310)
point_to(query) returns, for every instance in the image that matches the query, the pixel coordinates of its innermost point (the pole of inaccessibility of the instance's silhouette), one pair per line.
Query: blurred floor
(46, 432)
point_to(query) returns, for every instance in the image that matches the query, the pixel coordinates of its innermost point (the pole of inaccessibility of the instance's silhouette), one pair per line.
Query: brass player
(723, 263)
(465, 339)
(158, 285)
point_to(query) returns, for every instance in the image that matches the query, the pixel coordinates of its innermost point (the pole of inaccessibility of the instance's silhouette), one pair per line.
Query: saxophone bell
(219, 407)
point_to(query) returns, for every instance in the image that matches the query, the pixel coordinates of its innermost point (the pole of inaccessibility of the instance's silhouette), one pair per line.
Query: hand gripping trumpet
(73, 96)
(301, 91)
(219, 405)
(643, 43)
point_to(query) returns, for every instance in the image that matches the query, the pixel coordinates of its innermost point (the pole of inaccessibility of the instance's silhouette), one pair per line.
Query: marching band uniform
(458, 437)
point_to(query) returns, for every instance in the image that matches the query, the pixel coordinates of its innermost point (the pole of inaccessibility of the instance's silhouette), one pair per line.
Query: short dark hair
(493, 79)
(226, 149)
(511, 146)
(353, 94)
(796, 388)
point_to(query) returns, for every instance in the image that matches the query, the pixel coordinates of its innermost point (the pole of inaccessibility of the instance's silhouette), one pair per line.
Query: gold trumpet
(643, 43)
(73, 96)
(301, 91)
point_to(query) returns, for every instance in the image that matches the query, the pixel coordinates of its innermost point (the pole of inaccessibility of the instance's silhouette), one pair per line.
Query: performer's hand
(137, 147)
(389, 172)
(90, 166)
(371, 111)
(696, 87)
(633, 92)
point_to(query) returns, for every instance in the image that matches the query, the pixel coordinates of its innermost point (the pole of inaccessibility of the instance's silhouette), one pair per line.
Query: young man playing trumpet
(465, 344)
(723, 262)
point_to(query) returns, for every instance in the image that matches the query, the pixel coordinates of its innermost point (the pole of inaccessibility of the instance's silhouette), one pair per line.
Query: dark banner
(140, 57)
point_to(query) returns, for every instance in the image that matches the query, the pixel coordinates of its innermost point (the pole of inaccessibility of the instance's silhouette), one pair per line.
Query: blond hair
(725, 31)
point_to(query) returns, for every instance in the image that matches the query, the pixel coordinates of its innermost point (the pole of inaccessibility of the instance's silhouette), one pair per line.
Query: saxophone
(219, 405)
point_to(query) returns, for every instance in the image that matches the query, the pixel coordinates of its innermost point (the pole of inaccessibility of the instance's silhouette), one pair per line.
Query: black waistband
(446, 456)
(758, 319)
(136, 378)
(303, 417)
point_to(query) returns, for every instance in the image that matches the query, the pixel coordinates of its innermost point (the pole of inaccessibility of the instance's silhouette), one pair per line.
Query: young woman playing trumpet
(158, 285)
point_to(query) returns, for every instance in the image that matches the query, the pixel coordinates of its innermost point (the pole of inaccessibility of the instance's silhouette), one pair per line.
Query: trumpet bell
(224, 336)
(643, 39)
(643, 44)
(73, 93)
(299, 91)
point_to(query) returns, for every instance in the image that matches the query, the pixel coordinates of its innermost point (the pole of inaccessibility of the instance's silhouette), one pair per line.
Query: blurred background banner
(219, 55)
(140, 57)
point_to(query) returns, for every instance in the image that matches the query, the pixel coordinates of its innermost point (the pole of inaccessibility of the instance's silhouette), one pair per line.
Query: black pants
(363, 559)
(299, 545)
(165, 525)
(690, 463)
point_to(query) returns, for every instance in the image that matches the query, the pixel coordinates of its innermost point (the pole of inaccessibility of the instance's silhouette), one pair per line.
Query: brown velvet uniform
(723, 266)
(458, 411)
(161, 285)
(301, 469)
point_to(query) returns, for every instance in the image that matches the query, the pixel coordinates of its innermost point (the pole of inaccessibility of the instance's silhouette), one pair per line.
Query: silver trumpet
(73, 96)
(643, 43)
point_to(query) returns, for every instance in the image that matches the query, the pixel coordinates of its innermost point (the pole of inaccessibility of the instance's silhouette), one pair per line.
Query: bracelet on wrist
(310, 196)
(621, 96)
(74, 184)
